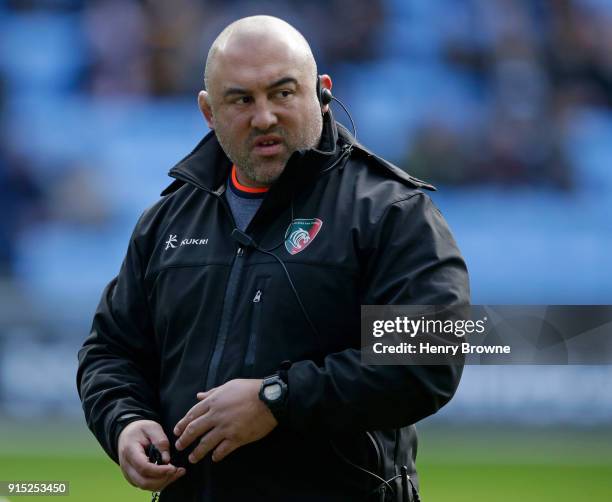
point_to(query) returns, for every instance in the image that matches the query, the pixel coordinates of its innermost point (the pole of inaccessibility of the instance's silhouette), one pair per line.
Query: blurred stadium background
(506, 105)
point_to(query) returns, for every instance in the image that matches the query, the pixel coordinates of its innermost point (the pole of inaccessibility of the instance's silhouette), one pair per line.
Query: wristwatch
(273, 392)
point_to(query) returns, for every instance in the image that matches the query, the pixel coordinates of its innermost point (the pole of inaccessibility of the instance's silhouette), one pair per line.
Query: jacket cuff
(283, 374)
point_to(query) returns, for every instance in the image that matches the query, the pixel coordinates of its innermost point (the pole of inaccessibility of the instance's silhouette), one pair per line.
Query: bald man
(230, 339)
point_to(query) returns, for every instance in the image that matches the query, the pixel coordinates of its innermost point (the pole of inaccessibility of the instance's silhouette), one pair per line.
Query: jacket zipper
(233, 284)
(249, 358)
(251, 351)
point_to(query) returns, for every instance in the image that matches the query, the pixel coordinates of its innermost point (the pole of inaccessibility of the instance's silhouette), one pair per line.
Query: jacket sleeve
(118, 370)
(411, 260)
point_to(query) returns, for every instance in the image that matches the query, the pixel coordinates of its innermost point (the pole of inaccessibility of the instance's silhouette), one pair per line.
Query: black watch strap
(278, 403)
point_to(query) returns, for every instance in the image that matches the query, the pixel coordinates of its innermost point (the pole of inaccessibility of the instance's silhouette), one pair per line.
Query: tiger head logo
(300, 233)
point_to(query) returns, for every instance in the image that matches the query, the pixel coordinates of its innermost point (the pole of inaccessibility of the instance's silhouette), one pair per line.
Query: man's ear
(326, 83)
(204, 105)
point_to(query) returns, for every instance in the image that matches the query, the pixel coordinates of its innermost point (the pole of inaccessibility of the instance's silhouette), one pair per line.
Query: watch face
(272, 392)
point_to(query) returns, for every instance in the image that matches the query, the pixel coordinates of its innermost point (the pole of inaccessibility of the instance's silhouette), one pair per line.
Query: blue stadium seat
(41, 52)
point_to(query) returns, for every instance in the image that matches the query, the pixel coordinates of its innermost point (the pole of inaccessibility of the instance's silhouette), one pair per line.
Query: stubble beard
(266, 171)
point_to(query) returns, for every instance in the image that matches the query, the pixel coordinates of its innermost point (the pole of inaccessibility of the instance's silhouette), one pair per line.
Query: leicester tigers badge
(301, 233)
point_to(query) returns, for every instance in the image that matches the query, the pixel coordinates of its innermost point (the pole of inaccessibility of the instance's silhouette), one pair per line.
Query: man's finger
(196, 410)
(156, 471)
(193, 430)
(138, 460)
(224, 449)
(204, 395)
(207, 443)
(130, 474)
(146, 483)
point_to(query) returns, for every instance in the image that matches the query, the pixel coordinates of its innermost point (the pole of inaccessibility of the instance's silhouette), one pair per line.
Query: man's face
(264, 107)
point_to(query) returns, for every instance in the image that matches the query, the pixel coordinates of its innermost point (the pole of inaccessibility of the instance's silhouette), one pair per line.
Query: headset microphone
(243, 238)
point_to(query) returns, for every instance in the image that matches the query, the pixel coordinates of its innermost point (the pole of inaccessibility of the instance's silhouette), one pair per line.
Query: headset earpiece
(325, 96)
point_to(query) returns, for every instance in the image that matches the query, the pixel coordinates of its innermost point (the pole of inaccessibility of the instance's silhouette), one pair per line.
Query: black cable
(348, 115)
(347, 149)
(379, 459)
(297, 296)
(415, 493)
(382, 481)
(405, 478)
(284, 238)
(374, 490)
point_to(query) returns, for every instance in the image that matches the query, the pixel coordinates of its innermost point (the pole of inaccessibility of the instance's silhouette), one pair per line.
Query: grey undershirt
(243, 208)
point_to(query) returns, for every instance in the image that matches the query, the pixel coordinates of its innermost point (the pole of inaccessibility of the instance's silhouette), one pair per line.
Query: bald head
(255, 34)
(260, 96)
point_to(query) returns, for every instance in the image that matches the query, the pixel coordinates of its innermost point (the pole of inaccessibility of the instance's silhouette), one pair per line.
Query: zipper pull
(240, 251)
(257, 297)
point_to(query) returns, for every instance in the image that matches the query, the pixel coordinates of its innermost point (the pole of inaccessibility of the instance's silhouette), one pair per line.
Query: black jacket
(173, 322)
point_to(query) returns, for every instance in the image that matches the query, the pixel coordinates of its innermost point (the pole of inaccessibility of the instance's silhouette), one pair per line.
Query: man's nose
(263, 117)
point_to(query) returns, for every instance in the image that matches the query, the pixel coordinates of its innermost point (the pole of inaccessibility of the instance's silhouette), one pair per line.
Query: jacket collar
(208, 167)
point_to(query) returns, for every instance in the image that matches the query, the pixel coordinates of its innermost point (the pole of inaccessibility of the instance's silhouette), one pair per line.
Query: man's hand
(134, 461)
(230, 416)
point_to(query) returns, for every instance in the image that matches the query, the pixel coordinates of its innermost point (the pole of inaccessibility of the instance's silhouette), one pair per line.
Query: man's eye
(244, 100)
(284, 93)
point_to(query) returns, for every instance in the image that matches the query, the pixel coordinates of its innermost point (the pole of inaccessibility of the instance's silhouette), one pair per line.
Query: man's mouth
(268, 145)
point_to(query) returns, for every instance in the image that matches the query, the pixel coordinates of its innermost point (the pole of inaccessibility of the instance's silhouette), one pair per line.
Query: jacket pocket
(257, 304)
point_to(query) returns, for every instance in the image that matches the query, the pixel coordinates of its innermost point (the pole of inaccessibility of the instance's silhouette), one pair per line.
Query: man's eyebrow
(234, 90)
(283, 81)
(278, 83)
